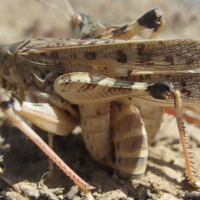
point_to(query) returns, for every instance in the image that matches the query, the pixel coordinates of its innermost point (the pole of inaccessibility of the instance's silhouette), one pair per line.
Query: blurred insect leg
(185, 141)
(95, 123)
(150, 20)
(51, 164)
(157, 30)
(130, 140)
(54, 100)
(50, 118)
(11, 105)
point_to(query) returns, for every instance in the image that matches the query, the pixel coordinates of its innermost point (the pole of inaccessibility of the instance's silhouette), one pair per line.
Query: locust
(104, 76)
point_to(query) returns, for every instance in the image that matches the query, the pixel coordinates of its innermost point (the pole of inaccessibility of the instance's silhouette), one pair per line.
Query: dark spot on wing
(121, 57)
(186, 92)
(146, 60)
(169, 59)
(140, 49)
(183, 83)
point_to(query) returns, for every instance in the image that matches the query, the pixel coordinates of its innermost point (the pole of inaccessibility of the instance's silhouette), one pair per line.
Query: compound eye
(76, 20)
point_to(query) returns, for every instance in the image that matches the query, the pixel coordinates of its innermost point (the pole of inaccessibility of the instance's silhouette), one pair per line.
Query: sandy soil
(22, 164)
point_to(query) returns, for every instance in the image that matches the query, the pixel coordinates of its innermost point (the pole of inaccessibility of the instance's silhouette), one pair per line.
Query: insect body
(102, 76)
(58, 57)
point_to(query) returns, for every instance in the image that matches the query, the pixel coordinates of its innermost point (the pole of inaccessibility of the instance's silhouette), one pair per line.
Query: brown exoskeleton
(52, 65)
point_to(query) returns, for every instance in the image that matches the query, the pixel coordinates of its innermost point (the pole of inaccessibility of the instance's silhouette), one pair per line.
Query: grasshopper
(95, 74)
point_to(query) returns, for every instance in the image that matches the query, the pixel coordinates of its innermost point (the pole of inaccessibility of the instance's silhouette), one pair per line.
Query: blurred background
(21, 19)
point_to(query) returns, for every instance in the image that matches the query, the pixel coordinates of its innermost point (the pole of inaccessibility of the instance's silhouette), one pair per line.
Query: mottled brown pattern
(121, 57)
(121, 90)
(146, 60)
(119, 31)
(170, 60)
(84, 88)
(183, 83)
(54, 55)
(189, 61)
(186, 92)
(140, 49)
(128, 54)
(90, 55)
(119, 83)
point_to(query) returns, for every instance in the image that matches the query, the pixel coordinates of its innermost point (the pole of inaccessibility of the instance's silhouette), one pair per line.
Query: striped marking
(85, 88)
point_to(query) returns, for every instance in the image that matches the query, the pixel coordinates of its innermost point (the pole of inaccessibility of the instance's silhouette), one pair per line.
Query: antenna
(69, 7)
(56, 8)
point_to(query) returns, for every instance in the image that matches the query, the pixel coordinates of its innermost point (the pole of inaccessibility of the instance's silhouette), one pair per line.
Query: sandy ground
(22, 164)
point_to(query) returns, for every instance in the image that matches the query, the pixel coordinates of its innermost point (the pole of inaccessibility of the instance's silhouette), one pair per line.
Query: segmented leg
(85, 88)
(50, 118)
(51, 164)
(10, 106)
(152, 19)
(185, 141)
(57, 102)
